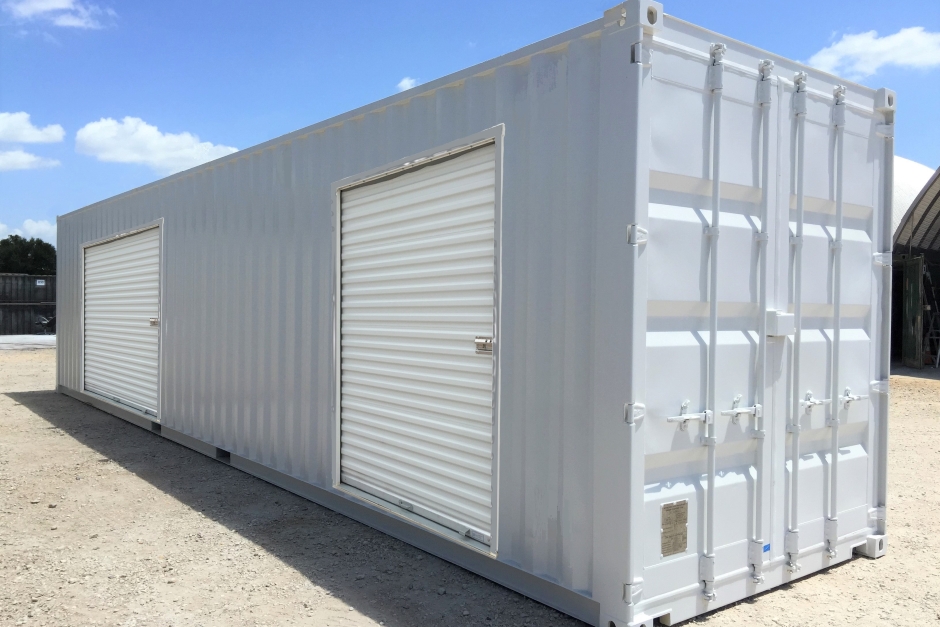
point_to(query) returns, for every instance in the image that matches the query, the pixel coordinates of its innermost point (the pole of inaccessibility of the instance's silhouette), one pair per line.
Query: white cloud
(407, 83)
(861, 55)
(134, 141)
(16, 127)
(65, 13)
(43, 229)
(20, 160)
(32, 8)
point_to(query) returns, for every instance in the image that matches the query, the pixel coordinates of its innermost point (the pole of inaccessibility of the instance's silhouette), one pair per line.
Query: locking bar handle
(848, 398)
(808, 403)
(684, 417)
(756, 410)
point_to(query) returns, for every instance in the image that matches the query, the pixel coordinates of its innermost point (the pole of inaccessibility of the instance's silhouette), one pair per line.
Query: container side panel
(247, 344)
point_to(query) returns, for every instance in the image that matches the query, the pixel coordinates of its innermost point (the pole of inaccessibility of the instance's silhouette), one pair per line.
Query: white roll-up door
(417, 291)
(122, 309)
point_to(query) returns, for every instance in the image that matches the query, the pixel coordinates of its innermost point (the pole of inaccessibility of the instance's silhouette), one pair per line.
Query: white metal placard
(121, 320)
(417, 324)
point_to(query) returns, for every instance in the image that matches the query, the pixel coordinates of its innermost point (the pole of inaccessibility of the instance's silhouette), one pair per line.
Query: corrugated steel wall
(22, 288)
(247, 313)
(22, 318)
(22, 302)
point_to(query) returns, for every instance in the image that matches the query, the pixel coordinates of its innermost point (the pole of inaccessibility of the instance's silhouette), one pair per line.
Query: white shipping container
(605, 320)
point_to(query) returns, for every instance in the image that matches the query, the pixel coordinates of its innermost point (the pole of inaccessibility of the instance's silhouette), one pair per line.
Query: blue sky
(117, 92)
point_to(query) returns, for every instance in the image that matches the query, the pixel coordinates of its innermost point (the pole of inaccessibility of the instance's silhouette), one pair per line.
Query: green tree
(27, 256)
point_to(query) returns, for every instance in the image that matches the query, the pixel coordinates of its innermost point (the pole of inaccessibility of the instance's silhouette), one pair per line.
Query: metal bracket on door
(484, 345)
(155, 322)
(637, 235)
(633, 412)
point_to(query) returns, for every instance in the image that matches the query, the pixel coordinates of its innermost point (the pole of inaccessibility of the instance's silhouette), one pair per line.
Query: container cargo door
(417, 277)
(121, 317)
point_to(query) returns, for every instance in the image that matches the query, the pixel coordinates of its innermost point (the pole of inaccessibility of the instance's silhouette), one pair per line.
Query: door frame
(155, 224)
(491, 136)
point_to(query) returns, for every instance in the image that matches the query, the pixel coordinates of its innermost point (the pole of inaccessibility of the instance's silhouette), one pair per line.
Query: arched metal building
(916, 297)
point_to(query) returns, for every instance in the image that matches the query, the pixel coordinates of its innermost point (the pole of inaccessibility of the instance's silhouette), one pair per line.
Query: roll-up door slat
(417, 287)
(122, 294)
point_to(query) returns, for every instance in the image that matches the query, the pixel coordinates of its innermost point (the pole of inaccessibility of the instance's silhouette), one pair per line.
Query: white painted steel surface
(122, 295)
(417, 287)
(821, 203)
(608, 311)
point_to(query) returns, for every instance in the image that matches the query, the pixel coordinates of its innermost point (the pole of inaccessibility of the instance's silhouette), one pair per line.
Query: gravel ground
(104, 523)
(19, 342)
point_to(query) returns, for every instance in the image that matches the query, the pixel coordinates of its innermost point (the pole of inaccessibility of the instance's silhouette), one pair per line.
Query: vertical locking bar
(886, 105)
(756, 550)
(716, 83)
(832, 522)
(793, 529)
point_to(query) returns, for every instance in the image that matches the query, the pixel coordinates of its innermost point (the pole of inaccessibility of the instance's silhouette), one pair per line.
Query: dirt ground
(103, 523)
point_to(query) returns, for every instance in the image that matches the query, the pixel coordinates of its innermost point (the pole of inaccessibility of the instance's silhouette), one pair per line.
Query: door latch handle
(484, 345)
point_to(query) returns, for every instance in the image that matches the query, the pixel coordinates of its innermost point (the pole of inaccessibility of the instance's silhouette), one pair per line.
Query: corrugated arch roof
(920, 226)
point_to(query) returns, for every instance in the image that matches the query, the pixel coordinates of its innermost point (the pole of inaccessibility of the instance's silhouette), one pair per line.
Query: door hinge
(155, 322)
(633, 592)
(633, 412)
(882, 259)
(637, 235)
(879, 387)
(884, 130)
(640, 54)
